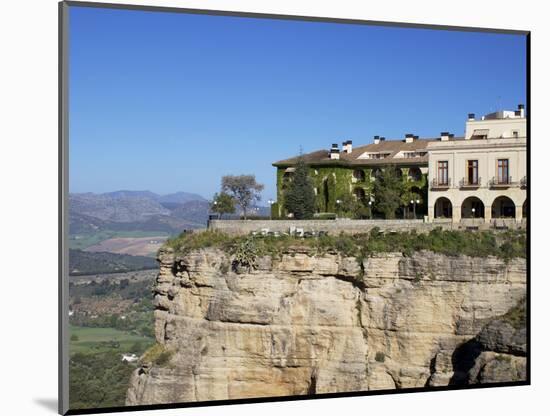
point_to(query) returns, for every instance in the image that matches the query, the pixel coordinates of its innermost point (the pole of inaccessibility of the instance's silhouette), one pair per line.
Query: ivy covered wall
(336, 182)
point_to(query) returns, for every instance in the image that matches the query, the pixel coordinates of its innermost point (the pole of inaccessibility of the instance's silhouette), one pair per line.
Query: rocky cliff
(304, 324)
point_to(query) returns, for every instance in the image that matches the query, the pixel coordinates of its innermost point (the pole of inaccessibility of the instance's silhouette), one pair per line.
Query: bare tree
(244, 189)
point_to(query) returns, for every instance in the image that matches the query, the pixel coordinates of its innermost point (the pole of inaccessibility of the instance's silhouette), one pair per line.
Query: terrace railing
(502, 182)
(470, 182)
(439, 183)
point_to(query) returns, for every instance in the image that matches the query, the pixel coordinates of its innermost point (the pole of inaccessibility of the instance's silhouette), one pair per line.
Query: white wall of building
(498, 128)
(500, 144)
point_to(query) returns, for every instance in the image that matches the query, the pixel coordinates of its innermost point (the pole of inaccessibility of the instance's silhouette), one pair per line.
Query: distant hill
(136, 211)
(192, 211)
(181, 197)
(131, 194)
(82, 263)
(117, 207)
(145, 211)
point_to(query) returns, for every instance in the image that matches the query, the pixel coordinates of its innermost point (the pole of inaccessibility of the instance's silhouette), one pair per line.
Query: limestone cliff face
(305, 324)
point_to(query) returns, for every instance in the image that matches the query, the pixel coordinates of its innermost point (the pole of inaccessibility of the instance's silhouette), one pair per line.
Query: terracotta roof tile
(393, 147)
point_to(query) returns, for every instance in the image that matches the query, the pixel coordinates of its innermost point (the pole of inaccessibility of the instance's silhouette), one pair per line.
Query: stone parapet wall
(244, 227)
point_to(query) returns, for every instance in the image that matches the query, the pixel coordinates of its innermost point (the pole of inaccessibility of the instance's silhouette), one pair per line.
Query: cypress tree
(300, 197)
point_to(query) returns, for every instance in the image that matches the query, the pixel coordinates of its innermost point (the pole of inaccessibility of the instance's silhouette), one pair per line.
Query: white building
(129, 358)
(482, 177)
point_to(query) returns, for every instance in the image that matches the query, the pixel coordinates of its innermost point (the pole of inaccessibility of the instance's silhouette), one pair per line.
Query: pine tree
(300, 196)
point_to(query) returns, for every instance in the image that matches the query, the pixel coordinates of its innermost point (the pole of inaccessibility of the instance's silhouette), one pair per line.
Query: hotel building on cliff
(478, 178)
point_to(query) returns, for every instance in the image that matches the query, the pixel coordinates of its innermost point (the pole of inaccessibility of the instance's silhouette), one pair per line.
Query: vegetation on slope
(83, 262)
(126, 305)
(505, 245)
(110, 318)
(517, 316)
(98, 380)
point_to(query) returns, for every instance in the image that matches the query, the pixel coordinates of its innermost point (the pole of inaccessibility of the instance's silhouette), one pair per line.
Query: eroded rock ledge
(304, 324)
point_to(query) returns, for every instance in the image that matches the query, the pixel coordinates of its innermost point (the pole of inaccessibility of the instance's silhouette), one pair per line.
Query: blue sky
(171, 102)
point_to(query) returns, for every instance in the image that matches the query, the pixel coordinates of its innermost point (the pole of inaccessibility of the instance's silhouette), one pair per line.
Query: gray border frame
(63, 199)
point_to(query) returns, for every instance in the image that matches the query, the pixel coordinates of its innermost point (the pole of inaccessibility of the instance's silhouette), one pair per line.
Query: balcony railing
(502, 182)
(438, 183)
(470, 182)
(523, 182)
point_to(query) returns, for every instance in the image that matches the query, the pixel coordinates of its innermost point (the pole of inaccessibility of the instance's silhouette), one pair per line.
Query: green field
(83, 241)
(97, 340)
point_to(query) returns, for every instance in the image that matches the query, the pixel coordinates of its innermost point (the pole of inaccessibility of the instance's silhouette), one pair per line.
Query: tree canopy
(351, 206)
(244, 189)
(388, 191)
(223, 203)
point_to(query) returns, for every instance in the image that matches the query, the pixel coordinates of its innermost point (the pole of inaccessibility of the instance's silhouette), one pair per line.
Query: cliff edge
(305, 323)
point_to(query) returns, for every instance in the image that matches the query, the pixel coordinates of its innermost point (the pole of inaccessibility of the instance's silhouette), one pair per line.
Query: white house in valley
(129, 358)
(482, 177)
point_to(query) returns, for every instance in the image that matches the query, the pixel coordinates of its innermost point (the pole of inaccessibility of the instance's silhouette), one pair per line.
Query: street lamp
(338, 202)
(414, 203)
(270, 202)
(370, 210)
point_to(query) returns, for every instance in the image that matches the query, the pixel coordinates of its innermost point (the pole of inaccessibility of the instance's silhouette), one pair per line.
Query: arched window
(359, 194)
(359, 175)
(398, 173)
(376, 172)
(415, 174)
(472, 207)
(503, 207)
(443, 208)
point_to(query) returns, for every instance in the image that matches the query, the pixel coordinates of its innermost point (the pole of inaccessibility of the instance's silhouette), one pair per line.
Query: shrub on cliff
(508, 245)
(186, 242)
(158, 354)
(245, 253)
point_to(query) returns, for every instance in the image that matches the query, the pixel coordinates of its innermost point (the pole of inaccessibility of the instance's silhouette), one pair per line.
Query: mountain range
(136, 211)
(146, 211)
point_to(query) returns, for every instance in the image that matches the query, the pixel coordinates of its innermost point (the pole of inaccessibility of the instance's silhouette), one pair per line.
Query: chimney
(445, 136)
(376, 139)
(409, 138)
(471, 116)
(347, 146)
(334, 151)
(521, 109)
